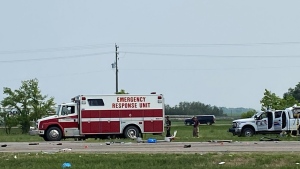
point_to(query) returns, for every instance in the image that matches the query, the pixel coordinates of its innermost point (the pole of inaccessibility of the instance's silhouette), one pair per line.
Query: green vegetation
(248, 114)
(218, 131)
(272, 101)
(145, 161)
(193, 108)
(29, 104)
(235, 111)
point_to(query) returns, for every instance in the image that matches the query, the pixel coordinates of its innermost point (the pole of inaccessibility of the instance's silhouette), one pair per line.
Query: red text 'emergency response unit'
(131, 102)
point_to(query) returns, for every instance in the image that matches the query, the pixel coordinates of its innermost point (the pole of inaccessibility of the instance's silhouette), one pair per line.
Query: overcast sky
(218, 52)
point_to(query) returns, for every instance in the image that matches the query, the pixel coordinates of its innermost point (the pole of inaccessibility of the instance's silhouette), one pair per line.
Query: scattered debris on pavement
(65, 149)
(219, 141)
(187, 146)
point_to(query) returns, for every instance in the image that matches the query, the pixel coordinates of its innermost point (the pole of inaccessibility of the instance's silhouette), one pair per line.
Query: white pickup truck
(266, 122)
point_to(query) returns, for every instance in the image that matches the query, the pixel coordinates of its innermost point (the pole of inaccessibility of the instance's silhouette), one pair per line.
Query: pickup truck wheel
(54, 134)
(248, 132)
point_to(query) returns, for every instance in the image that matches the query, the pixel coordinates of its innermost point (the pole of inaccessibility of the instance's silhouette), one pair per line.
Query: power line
(194, 55)
(201, 69)
(206, 45)
(164, 69)
(55, 49)
(105, 45)
(54, 58)
(144, 53)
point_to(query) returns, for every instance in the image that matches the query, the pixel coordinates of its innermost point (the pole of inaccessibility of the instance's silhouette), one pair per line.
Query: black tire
(45, 138)
(248, 132)
(131, 132)
(53, 134)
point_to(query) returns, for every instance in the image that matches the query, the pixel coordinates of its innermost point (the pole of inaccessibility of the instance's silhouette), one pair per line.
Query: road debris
(187, 146)
(4, 145)
(222, 163)
(65, 149)
(219, 141)
(59, 144)
(33, 143)
(151, 140)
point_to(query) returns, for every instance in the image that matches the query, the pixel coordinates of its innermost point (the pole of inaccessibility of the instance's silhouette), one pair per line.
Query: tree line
(193, 108)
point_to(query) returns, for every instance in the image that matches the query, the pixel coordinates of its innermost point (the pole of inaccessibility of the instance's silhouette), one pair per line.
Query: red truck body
(95, 116)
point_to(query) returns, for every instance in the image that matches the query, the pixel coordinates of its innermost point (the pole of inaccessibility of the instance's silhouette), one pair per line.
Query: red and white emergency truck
(94, 116)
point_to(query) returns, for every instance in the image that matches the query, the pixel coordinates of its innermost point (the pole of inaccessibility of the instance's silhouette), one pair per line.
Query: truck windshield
(257, 114)
(57, 110)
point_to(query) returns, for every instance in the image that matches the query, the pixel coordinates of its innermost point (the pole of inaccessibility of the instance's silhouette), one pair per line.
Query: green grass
(145, 161)
(218, 131)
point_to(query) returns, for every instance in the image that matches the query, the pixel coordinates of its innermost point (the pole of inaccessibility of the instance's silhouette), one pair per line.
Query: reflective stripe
(121, 119)
(68, 120)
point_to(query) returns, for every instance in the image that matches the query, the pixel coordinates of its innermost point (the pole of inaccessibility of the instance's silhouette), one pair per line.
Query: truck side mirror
(255, 117)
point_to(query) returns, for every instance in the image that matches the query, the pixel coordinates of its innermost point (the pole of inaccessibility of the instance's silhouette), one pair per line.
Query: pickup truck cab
(266, 122)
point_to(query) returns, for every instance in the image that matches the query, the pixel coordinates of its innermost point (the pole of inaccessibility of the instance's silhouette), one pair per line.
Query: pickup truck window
(278, 114)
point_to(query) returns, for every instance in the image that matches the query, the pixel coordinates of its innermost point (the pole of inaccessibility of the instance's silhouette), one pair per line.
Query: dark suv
(203, 119)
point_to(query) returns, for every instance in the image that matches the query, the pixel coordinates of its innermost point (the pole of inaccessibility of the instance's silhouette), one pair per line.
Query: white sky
(223, 53)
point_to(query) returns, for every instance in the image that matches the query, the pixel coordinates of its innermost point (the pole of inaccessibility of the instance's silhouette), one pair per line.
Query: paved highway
(159, 147)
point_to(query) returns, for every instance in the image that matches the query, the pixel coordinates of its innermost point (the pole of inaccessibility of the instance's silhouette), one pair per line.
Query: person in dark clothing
(196, 127)
(168, 126)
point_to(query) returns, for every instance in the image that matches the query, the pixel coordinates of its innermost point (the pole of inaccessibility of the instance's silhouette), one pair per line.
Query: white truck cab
(266, 122)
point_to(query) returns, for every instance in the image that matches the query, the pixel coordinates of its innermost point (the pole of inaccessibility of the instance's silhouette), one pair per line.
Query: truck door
(278, 120)
(69, 120)
(262, 122)
(283, 120)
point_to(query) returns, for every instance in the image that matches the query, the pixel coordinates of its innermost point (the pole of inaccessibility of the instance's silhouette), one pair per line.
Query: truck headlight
(234, 125)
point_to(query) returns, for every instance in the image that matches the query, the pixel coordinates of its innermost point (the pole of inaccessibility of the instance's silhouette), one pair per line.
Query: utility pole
(116, 68)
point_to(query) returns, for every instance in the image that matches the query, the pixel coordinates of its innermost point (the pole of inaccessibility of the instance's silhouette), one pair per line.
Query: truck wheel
(131, 132)
(54, 134)
(45, 138)
(248, 132)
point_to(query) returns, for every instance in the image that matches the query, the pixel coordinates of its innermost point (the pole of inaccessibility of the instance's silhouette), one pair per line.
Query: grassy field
(218, 131)
(134, 160)
(145, 161)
